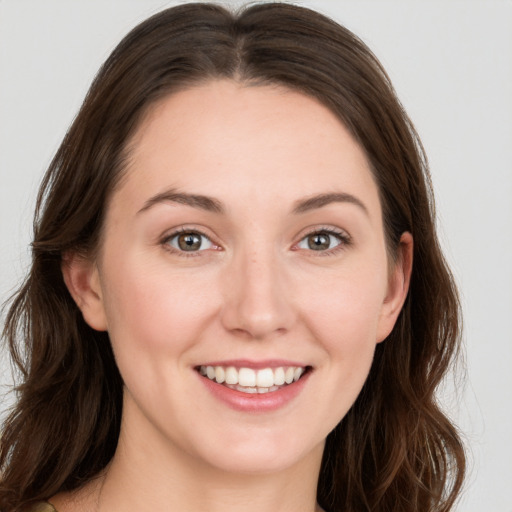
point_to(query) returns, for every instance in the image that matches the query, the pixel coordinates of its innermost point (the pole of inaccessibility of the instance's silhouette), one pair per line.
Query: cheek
(343, 309)
(342, 314)
(153, 311)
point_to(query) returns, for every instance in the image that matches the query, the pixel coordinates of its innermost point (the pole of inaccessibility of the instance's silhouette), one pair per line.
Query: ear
(83, 282)
(398, 287)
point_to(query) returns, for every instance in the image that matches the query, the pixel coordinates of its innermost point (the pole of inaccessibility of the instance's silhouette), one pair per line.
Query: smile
(250, 381)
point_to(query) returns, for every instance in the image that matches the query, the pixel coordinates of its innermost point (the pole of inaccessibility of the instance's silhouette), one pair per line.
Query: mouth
(253, 381)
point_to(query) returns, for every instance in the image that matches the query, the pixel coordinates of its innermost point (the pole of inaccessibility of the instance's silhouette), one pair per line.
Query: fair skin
(212, 255)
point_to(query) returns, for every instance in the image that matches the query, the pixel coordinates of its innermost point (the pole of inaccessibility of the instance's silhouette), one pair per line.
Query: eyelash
(344, 241)
(185, 231)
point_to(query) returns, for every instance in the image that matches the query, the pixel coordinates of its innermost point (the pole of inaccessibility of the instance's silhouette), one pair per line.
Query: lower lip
(255, 402)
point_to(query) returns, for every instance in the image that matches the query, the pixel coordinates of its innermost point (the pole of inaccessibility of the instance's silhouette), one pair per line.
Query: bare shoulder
(78, 500)
(65, 502)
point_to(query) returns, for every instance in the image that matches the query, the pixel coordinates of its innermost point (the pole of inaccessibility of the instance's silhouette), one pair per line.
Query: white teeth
(288, 375)
(220, 374)
(253, 390)
(279, 376)
(265, 378)
(247, 377)
(231, 375)
(253, 381)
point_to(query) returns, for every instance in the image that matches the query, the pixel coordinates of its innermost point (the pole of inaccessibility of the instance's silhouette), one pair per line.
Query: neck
(149, 472)
(148, 485)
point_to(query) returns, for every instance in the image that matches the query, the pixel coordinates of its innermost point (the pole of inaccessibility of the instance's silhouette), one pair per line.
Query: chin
(261, 456)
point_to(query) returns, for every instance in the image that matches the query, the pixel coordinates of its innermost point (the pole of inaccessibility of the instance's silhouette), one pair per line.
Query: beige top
(41, 506)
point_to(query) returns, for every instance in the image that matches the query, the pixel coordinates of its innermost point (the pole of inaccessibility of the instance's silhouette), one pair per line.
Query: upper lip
(256, 365)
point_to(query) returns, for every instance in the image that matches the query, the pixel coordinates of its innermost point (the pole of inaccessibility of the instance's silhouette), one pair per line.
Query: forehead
(223, 137)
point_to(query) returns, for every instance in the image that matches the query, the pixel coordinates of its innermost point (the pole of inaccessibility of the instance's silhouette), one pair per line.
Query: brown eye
(190, 241)
(321, 241)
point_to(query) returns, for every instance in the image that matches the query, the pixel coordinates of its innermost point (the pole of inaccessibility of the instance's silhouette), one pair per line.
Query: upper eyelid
(343, 234)
(185, 229)
(166, 239)
(325, 229)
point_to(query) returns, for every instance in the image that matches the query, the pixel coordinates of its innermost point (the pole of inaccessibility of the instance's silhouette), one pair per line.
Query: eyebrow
(211, 204)
(194, 200)
(320, 200)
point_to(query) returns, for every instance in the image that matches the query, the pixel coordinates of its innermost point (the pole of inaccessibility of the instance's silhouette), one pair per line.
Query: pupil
(189, 242)
(319, 241)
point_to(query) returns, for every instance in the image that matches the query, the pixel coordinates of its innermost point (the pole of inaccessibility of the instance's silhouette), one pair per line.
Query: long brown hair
(395, 450)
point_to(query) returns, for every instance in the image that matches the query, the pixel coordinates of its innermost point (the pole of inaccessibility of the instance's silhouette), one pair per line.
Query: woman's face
(245, 241)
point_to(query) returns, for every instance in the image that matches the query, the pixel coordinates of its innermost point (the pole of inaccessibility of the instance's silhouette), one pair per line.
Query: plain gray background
(451, 63)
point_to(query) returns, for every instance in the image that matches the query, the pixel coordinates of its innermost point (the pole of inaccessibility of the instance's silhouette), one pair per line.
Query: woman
(237, 297)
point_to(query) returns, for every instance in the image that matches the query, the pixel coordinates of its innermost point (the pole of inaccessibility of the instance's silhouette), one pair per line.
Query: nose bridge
(257, 302)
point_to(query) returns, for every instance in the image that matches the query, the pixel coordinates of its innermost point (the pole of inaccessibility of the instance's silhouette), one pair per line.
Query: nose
(257, 301)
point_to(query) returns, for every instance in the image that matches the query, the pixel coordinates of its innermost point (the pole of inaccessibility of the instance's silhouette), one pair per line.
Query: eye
(189, 241)
(322, 241)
